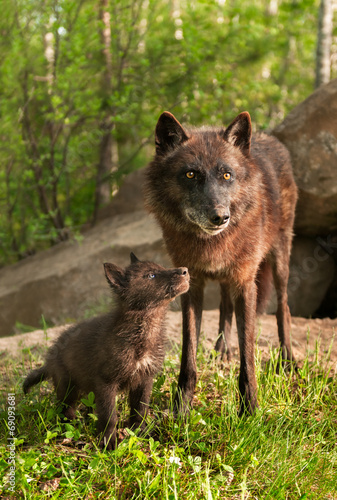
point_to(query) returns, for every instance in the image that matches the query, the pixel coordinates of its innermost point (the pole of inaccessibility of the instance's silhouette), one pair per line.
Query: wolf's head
(199, 178)
(146, 284)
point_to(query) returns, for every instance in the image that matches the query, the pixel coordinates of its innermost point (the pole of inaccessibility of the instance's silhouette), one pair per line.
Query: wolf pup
(225, 203)
(120, 351)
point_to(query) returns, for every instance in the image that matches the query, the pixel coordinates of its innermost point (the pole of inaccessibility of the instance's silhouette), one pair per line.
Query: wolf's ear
(239, 132)
(169, 133)
(133, 258)
(115, 276)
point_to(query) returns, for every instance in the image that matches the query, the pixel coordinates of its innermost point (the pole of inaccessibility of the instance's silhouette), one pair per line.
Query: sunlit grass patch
(287, 450)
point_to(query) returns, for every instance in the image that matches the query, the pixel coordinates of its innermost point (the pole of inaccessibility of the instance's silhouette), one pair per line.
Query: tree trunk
(273, 8)
(104, 168)
(324, 39)
(107, 149)
(49, 53)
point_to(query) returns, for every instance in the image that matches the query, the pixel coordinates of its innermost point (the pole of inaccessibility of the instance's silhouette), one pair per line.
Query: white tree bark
(324, 40)
(49, 52)
(108, 153)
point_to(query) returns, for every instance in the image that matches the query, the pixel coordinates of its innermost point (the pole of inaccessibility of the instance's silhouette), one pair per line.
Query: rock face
(310, 134)
(63, 282)
(311, 273)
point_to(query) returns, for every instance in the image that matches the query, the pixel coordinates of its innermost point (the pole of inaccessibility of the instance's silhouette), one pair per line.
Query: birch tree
(324, 39)
(105, 162)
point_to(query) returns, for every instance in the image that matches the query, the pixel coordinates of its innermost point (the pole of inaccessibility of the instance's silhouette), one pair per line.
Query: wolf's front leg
(191, 303)
(139, 399)
(225, 324)
(107, 417)
(245, 310)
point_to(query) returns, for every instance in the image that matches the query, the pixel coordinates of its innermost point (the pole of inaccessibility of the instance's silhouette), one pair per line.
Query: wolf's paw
(108, 442)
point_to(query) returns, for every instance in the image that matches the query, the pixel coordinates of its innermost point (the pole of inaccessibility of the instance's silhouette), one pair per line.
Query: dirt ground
(305, 335)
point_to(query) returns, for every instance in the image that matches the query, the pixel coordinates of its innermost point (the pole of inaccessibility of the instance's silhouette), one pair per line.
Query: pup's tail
(35, 377)
(264, 282)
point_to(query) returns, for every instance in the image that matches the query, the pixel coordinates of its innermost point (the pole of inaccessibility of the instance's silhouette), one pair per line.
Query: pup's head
(146, 284)
(197, 178)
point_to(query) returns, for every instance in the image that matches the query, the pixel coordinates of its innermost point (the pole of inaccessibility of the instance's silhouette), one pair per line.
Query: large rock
(310, 134)
(63, 282)
(311, 273)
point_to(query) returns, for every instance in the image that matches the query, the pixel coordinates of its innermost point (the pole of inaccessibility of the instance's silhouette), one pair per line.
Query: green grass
(286, 451)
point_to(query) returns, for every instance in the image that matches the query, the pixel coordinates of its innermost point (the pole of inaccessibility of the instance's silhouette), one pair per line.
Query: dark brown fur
(120, 351)
(233, 231)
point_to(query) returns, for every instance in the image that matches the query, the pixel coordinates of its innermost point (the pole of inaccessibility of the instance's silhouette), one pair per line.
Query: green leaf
(90, 401)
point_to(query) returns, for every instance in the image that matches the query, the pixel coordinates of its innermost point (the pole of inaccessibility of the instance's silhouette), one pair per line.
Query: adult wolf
(225, 203)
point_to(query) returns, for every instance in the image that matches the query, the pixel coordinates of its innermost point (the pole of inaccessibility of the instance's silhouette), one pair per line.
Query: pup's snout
(182, 270)
(218, 218)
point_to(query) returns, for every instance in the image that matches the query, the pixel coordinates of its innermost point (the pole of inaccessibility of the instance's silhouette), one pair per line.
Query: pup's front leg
(107, 416)
(245, 310)
(139, 398)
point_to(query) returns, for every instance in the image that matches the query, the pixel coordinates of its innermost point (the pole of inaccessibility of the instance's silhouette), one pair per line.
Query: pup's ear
(169, 133)
(115, 276)
(239, 132)
(133, 258)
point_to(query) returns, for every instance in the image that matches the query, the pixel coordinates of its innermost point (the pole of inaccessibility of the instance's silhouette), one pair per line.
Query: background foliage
(61, 93)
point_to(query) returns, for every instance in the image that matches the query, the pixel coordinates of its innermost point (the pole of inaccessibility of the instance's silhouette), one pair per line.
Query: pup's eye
(151, 276)
(190, 175)
(227, 176)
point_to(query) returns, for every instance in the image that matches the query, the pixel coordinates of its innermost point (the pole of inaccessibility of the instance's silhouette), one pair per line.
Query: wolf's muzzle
(217, 218)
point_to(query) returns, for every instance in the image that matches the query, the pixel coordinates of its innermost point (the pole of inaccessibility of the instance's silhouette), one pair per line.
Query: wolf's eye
(190, 175)
(227, 176)
(151, 276)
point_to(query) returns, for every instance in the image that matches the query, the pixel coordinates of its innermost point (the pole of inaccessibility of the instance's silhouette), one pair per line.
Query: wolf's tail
(35, 377)
(264, 282)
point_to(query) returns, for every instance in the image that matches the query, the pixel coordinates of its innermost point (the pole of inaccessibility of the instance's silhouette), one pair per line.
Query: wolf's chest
(212, 254)
(229, 256)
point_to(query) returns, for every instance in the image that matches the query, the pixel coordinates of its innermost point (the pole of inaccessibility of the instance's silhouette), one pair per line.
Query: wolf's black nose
(218, 219)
